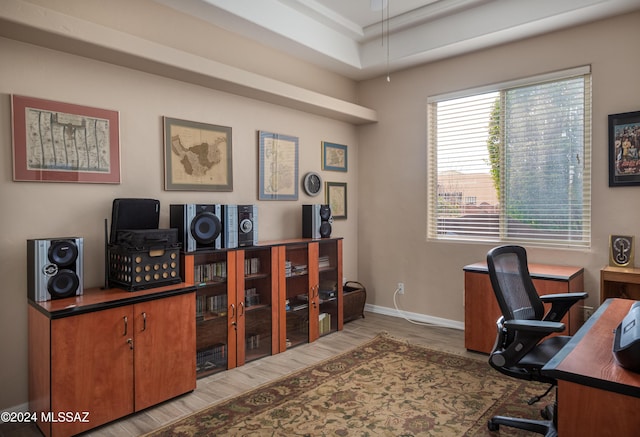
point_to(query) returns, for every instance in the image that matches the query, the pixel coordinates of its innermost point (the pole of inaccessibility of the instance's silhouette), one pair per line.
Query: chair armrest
(541, 327)
(560, 304)
(526, 335)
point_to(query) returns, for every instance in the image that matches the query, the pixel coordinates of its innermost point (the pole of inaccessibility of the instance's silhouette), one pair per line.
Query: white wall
(43, 210)
(392, 185)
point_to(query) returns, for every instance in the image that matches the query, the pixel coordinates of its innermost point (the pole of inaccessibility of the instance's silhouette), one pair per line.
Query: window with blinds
(512, 162)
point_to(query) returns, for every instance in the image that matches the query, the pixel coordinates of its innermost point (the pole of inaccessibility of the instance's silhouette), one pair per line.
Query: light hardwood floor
(224, 385)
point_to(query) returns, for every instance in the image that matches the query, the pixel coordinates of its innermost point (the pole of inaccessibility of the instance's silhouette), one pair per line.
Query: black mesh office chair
(521, 349)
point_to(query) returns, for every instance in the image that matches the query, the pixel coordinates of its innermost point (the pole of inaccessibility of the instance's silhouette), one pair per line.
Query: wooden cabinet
(102, 355)
(310, 290)
(481, 307)
(259, 300)
(621, 282)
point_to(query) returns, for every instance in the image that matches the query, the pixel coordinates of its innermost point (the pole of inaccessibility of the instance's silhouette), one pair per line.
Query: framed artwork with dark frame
(277, 166)
(337, 198)
(624, 149)
(197, 156)
(64, 142)
(334, 157)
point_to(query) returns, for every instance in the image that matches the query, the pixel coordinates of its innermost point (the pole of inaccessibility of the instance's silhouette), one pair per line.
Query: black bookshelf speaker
(316, 221)
(199, 226)
(54, 268)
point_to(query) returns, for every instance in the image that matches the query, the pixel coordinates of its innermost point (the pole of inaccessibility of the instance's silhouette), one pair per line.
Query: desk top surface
(537, 271)
(588, 358)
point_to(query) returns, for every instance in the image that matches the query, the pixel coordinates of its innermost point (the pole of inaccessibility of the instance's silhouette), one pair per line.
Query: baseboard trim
(22, 408)
(437, 321)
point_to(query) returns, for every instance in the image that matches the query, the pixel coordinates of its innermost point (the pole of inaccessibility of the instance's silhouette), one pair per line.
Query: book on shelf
(291, 269)
(324, 262)
(210, 272)
(251, 266)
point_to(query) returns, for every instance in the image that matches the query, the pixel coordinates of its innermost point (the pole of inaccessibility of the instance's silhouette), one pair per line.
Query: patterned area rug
(385, 387)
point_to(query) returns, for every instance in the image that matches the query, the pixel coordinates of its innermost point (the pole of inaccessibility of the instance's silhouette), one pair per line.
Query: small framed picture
(197, 156)
(624, 149)
(277, 166)
(334, 157)
(621, 251)
(337, 198)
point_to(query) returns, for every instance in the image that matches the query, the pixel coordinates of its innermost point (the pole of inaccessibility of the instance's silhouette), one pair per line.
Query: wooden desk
(623, 282)
(481, 310)
(596, 397)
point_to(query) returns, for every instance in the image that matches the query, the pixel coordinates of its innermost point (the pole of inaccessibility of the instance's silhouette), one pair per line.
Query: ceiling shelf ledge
(36, 25)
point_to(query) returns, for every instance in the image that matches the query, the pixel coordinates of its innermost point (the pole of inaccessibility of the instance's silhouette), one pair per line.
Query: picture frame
(198, 156)
(336, 198)
(621, 250)
(64, 142)
(334, 157)
(624, 149)
(277, 166)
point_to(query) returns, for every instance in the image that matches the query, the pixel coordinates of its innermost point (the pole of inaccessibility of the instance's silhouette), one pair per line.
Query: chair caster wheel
(492, 426)
(547, 412)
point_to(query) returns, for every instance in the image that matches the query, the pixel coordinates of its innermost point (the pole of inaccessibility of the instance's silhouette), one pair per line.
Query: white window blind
(513, 162)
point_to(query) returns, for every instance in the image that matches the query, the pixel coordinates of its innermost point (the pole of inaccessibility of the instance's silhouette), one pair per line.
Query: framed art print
(64, 142)
(334, 157)
(277, 166)
(624, 149)
(337, 199)
(198, 156)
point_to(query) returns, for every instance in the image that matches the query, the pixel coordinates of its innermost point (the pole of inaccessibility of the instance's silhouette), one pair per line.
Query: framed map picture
(63, 142)
(277, 166)
(198, 156)
(337, 199)
(334, 157)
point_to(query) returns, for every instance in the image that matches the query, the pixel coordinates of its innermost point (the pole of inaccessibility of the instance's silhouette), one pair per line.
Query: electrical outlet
(587, 312)
(400, 287)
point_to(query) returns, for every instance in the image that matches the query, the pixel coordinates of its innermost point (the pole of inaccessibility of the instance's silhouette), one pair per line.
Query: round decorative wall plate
(312, 183)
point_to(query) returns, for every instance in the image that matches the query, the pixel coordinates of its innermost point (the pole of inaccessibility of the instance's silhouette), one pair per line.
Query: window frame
(432, 164)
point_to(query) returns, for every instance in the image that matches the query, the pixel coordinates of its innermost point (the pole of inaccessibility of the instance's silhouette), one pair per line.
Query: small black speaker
(54, 268)
(316, 221)
(199, 226)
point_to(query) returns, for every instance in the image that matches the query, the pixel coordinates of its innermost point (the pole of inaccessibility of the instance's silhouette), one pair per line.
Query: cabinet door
(164, 349)
(92, 367)
(298, 294)
(314, 292)
(214, 274)
(257, 296)
(330, 285)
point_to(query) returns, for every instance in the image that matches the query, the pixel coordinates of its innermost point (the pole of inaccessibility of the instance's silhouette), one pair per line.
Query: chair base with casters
(546, 427)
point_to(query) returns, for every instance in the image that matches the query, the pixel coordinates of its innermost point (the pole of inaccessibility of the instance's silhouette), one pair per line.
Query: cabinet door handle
(126, 325)
(130, 341)
(241, 304)
(144, 321)
(233, 311)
